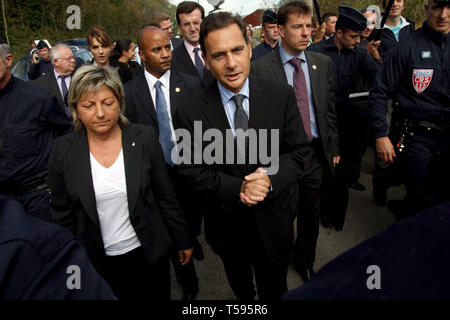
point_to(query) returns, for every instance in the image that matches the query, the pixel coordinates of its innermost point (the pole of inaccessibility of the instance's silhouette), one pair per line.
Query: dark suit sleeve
(331, 114)
(60, 202)
(205, 180)
(165, 196)
(130, 107)
(294, 147)
(55, 116)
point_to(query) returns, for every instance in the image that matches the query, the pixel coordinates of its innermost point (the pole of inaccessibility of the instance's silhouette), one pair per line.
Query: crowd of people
(94, 149)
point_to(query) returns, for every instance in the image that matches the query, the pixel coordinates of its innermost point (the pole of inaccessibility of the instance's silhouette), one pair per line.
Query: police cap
(269, 17)
(42, 44)
(351, 19)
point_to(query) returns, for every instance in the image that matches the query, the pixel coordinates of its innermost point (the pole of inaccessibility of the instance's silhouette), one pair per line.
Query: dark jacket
(154, 210)
(35, 256)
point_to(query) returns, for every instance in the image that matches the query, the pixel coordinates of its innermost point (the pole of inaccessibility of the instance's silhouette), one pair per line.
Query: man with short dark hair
(416, 74)
(187, 58)
(41, 66)
(29, 120)
(350, 61)
(330, 20)
(162, 21)
(270, 32)
(317, 113)
(248, 221)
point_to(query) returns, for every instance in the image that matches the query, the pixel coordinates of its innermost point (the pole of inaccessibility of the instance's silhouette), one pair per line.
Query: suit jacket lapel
(186, 58)
(132, 157)
(314, 78)
(277, 67)
(214, 109)
(55, 88)
(143, 94)
(82, 176)
(176, 89)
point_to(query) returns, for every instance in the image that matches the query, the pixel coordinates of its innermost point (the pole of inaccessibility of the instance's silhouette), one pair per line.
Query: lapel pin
(177, 89)
(133, 144)
(314, 67)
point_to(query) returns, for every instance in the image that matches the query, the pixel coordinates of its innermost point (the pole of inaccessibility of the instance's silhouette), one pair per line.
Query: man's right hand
(385, 149)
(35, 58)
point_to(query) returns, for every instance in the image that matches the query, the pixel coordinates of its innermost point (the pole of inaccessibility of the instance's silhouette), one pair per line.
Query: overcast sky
(242, 7)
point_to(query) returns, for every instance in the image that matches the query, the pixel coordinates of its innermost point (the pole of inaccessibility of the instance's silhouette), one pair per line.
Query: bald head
(149, 32)
(155, 50)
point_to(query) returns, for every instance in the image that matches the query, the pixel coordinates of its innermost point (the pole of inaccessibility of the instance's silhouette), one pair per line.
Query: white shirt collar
(151, 79)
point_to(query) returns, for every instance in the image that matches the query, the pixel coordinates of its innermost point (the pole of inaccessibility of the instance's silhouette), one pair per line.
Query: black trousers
(186, 275)
(132, 277)
(245, 258)
(426, 162)
(308, 209)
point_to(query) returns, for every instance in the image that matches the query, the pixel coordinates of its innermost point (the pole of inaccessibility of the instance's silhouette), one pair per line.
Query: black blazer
(322, 85)
(181, 61)
(139, 103)
(272, 106)
(155, 213)
(49, 82)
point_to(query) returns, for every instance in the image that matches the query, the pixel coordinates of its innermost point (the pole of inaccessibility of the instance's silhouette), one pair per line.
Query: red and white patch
(421, 79)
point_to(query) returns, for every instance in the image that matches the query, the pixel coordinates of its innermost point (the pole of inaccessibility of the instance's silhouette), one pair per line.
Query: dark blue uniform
(350, 65)
(417, 74)
(35, 256)
(262, 49)
(39, 69)
(29, 119)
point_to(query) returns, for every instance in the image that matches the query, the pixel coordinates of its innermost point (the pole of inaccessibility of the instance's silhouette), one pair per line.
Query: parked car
(20, 68)
(77, 42)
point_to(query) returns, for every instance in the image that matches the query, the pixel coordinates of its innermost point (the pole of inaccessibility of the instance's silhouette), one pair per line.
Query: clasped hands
(255, 187)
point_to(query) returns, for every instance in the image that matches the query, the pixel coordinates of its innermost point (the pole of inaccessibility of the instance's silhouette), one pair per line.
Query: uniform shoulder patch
(426, 54)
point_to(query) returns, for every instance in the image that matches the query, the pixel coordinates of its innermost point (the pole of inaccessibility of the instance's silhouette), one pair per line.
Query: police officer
(270, 31)
(417, 75)
(29, 118)
(350, 63)
(44, 65)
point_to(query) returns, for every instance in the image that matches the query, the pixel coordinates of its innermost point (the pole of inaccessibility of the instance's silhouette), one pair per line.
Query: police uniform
(29, 119)
(263, 48)
(42, 67)
(349, 66)
(419, 71)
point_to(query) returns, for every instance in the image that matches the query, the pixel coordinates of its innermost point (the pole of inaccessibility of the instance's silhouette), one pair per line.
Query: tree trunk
(4, 21)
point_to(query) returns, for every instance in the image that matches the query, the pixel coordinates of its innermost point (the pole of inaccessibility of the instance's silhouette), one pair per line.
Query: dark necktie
(64, 93)
(240, 117)
(198, 62)
(241, 122)
(165, 134)
(301, 93)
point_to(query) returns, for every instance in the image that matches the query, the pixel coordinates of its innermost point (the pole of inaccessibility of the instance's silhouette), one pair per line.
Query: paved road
(364, 219)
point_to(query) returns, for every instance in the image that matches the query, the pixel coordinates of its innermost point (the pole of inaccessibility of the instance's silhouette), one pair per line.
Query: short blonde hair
(90, 78)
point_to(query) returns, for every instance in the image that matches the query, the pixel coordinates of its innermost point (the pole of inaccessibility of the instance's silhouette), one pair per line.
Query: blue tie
(198, 63)
(165, 134)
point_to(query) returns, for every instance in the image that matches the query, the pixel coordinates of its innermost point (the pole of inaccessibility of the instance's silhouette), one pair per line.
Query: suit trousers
(308, 208)
(186, 275)
(245, 257)
(132, 277)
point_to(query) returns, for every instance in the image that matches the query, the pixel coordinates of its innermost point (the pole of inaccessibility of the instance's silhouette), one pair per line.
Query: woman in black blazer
(110, 187)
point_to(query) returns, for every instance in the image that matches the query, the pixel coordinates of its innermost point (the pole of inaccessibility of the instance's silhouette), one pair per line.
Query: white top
(111, 198)
(165, 87)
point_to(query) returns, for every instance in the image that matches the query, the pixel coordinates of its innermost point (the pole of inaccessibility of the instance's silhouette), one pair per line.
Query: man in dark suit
(187, 58)
(162, 21)
(142, 101)
(318, 115)
(248, 222)
(58, 81)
